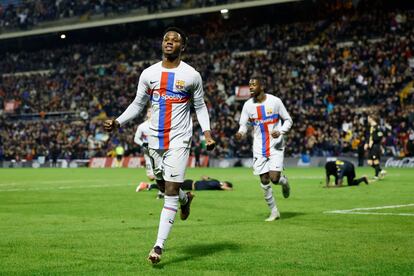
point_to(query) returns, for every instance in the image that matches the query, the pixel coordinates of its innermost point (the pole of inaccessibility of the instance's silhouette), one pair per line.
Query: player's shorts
(263, 164)
(169, 164)
(148, 165)
(375, 152)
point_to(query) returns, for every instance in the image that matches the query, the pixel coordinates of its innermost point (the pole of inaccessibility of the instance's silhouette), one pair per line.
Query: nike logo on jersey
(152, 82)
(174, 175)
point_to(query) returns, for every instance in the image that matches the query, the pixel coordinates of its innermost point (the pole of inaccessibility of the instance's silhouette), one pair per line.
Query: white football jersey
(171, 93)
(265, 118)
(141, 135)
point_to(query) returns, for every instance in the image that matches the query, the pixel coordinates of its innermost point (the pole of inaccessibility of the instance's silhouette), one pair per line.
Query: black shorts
(187, 185)
(375, 153)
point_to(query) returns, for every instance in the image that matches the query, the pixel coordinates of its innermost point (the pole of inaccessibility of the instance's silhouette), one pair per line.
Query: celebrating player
(265, 112)
(340, 169)
(171, 86)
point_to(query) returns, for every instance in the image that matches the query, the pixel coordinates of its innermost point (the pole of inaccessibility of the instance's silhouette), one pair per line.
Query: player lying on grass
(340, 169)
(205, 183)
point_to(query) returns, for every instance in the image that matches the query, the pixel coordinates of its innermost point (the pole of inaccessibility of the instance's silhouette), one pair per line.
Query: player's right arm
(134, 108)
(244, 119)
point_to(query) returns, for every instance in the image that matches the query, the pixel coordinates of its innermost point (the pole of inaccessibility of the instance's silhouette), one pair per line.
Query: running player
(265, 113)
(171, 86)
(340, 169)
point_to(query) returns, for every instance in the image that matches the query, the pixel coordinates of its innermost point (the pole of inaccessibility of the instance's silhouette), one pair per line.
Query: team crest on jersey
(269, 111)
(180, 84)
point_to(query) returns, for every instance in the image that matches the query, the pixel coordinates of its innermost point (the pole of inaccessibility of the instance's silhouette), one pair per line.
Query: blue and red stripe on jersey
(263, 121)
(168, 97)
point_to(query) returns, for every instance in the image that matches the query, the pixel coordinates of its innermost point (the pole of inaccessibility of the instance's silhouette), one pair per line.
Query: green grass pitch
(91, 221)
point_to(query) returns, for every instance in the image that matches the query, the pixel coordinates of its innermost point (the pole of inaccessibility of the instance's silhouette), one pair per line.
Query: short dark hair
(228, 184)
(261, 78)
(182, 33)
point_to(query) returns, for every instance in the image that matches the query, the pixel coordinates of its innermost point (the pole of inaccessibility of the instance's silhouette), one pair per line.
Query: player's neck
(171, 63)
(260, 98)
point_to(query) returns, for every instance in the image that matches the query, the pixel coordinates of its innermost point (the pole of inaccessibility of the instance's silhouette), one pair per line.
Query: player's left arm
(138, 135)
(287, 120)
(202, 112)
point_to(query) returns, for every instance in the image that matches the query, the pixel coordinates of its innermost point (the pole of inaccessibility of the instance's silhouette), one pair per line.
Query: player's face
(172, 44)
(255, 87)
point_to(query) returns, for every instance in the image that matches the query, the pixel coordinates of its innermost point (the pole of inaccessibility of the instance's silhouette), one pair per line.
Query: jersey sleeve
(139, 102)
(138, 135)
(287, 120)
(244, 119)
(199, 104)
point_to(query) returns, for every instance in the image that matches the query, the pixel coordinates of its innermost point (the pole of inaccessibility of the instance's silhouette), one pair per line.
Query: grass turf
(91, 221)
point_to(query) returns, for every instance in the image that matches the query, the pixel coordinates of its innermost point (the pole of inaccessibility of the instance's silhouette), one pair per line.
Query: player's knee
(172, 188)
(265, 180)
(275, 179)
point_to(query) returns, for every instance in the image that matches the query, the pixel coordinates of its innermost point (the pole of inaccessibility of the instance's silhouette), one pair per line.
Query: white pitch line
(64, 188)
(355, 211)
(378, 214)
(53, 182)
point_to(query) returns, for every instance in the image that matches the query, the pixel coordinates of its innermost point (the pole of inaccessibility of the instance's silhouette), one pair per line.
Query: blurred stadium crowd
(329, 74)
(24, 14)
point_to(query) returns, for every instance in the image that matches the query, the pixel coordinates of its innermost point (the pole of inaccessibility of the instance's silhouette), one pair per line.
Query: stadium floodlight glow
(62, 36)
(224, 11)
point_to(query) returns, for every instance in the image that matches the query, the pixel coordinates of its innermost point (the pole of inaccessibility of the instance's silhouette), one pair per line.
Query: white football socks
(167, 219)
(183, 197)
(268, 196)
(282, 180)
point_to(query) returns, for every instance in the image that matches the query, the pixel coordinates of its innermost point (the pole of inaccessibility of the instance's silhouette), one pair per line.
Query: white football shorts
(169, 164)
(263, 164)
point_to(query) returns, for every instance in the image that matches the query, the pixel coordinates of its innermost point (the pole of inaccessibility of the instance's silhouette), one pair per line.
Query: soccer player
(171, 86)
(205, 183)
(373, 146)
(340, 169)
(265, 113)
(141, 139)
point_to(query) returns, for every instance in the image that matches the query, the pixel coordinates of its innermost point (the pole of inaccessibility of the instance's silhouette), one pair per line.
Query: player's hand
(366, 147)
(238, 136)
(110, 125)
(145, 145)
(276, 134)
(210, 144)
